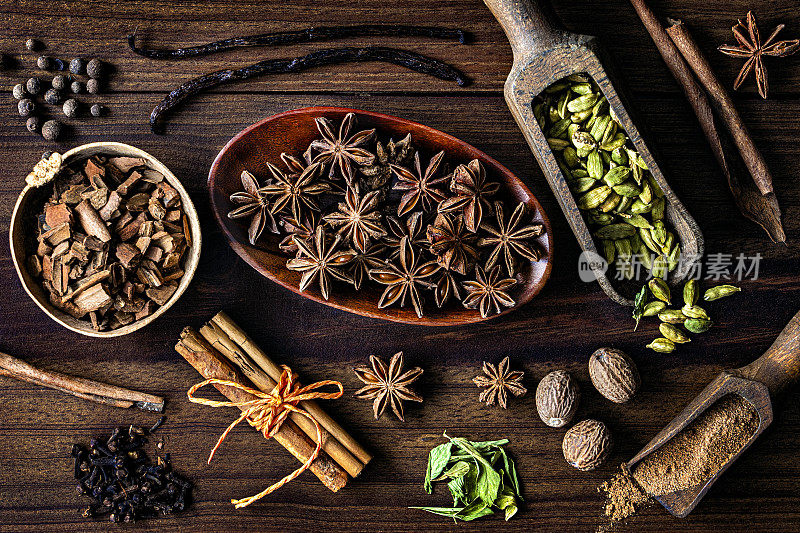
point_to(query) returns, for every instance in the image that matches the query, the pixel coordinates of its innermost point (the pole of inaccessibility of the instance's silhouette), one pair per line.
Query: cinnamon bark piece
(161, 294)
(126, 164)
(57, 214)
(127, 254)
(92, 298)
(91, 222)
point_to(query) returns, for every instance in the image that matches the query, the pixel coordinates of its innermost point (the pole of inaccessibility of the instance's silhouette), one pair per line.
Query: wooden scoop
(757, 383)
(544, 55)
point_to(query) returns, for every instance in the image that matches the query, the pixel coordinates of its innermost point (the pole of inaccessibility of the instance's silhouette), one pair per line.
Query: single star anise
(412, 228)
(294, 191)
(420, 187)
(751, 47)
(472, 193)
(364, 262)
(357, 218)
(342, 150)
(378, 174)
(403, 281)
(253, 203)
(319, 260)
(446, 286)
(297, 229)
(451, 243)
(488, 292)
(498, 382)
(387, 385)
(509, 238)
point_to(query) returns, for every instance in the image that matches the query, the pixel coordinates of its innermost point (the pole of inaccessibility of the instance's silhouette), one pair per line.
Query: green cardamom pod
(616, 175)
(697, 325)
(594, 165)
(557, 144)
(611, 202)
(658, 208)
(552, 114)
(583, 142)
(690, 292)
(662, 345)
(628, 188)
(659, 232)
(599, 127)
(673, 333)
(617, 142)
(674, 257)
(600, 107)
(562, 105)
(580, 173)
(647, 194)
(660, 289)
(668, 243)
(656, 188)
(557, 87)
(615, 231)
(638, 221)
(654, 308)
(609, 133)
(577, 78)
(638, 207)
(601, 219)
(694, 311)
(559, 129)
(623, 206)
(619, 156)
(660, 267)
(720, 291)
(582, 103)
(609, 251)
(623, 247)
(645, 257)
(570, 157)
(595, 197)
(581, 88)
(579, 117)
(671, 316)
(582, 185)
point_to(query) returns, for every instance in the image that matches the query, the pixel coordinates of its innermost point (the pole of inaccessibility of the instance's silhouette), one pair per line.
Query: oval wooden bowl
(23, 221)
(291, 132)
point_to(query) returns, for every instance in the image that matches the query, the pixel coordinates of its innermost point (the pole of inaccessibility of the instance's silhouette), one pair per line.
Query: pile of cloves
(123, 484)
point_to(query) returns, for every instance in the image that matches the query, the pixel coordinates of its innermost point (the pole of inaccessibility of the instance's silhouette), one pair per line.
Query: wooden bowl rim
(241, 249)
(190, 266)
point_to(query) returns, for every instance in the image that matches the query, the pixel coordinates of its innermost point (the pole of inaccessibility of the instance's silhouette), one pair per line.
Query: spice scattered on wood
(111, 241)
(498, 381)
(330, 56)
(283, 38)
(387, 385)
(124, 484)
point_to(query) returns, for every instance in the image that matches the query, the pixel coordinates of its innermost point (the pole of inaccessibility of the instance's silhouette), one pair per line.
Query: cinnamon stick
(258, 356)
(82, 388)
(685, 61)
(210, 364)
(262, 381)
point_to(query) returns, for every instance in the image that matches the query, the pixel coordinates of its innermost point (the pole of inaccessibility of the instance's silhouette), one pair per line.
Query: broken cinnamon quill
(753, 194)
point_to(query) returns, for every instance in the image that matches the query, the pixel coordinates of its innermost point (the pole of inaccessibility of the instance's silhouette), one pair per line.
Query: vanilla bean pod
(329, 56)
(322, 33)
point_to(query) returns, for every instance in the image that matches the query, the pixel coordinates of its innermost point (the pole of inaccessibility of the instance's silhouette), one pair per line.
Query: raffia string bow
(267, 412)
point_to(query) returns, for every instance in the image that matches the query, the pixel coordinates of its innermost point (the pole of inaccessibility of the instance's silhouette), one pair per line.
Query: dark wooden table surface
(559, 329)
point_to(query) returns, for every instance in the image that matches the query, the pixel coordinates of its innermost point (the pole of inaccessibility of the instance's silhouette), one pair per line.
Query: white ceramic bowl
(23, 210)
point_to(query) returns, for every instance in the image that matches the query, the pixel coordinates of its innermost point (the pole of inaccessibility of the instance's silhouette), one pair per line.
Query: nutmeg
(557, 398)
(587, 444)
(614, 374)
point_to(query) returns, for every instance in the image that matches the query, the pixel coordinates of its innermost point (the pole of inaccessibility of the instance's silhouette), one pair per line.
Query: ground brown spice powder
(690, 458)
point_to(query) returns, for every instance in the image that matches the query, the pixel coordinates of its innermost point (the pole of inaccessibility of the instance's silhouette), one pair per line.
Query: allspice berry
(93, 86)
(51, 130)
(33, 45)
(33, 124)
(19, 91)
(76, 87)
(77, 66)
(587, 444)
(52, 96)
(26, 107)
(44, 63)
(95, 69)
(60, 82)
(614, 374)
(557, 398)
(71, 108)
(97, 110)
(34, 85)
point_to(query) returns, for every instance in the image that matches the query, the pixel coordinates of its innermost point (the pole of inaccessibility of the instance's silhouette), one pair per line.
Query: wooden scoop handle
(528, 28)
(780, 365)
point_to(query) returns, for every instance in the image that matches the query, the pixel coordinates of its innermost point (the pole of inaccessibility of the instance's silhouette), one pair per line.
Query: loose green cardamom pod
(611, 202)
(623, 247)
(647, 193)
(720, 291)
(616, 175)
(647, 239)
(672, 333)
(579, 172)
(662, 345)
(594, 165)
(638, 221)
(601, 219)
(639, 305)
(694, 311)
(660, 267)
(579, 117)
(674, 258)
(583, 185)
(617, 142)
(697, 325)
(654, 308)
(646, 258)
(582, 88)
(609, 251)
(690, 292)
(582, 103)
(557, 144)
(659, 232)
(559, 129)
(619, 156)
(599, 127)
(658, 208)
(638, 207)
(671, 316)
(615, 231)
(595, 197)
(627, 189)
(623, 206)
(660, 289)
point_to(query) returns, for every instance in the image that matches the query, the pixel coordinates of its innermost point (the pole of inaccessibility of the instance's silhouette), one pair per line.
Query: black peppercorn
(34, 85)
(51, 130)
(60, 82)
(19, 91)
(93, 86)
(77, 65)
(52, 96)
(71, 108)
(95, 69)
(33, 45)
(97, 110)
(44, 63)
(26, 107)
(76, 87)
(33, 124)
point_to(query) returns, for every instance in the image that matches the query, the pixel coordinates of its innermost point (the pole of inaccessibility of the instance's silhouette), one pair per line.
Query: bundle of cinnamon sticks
(753, 193)
(222, 350)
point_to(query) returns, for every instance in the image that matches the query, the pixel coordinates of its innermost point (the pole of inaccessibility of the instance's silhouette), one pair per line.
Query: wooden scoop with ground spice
(682, 462)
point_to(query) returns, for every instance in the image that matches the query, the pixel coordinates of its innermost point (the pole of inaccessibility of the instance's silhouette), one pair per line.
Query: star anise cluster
(358, 209)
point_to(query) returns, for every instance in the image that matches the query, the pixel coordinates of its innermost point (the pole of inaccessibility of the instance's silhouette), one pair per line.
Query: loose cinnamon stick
(262, 381)
(238, 336)
(761, 208)
(210, 364)
(82, 388)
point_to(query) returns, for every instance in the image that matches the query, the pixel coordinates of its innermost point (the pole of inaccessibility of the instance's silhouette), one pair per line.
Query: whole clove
(122, 481)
